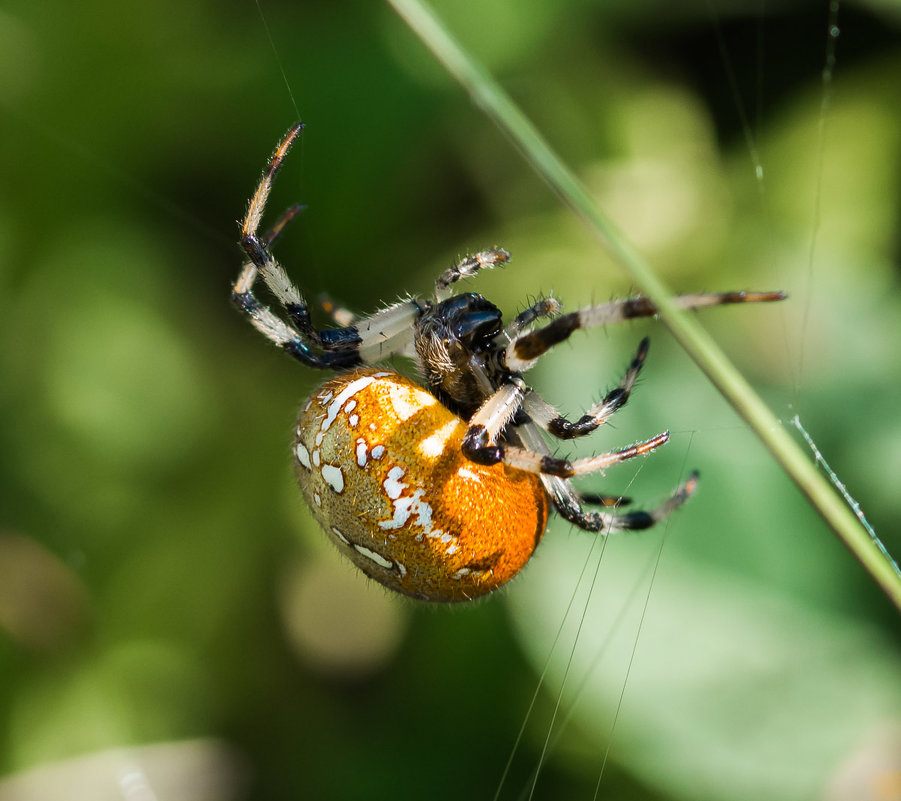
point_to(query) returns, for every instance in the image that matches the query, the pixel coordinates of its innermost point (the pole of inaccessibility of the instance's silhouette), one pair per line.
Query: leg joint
(477, 448)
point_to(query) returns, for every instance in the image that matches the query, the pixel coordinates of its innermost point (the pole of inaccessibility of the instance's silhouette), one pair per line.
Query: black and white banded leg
(366, 341)
(481, 442)
(570, 503)
(545, 307)
(525, 349)
(598, 499)
(546, 416)
(467, 267)
(276, 279)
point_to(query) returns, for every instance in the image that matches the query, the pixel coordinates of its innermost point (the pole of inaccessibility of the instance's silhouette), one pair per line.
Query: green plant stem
(491, 98)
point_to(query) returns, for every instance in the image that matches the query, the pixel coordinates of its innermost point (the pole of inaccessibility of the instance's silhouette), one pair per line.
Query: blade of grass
(487, 94)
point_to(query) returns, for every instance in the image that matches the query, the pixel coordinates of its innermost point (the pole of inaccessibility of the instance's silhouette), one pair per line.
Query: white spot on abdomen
(345, 394)
(393, 485)
(303, 455)
(361, 452)
(406, 507)
(333, 476)
(380, 560)
(340, 535)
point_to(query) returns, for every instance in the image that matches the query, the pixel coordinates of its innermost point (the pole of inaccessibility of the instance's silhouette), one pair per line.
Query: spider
(441, 491)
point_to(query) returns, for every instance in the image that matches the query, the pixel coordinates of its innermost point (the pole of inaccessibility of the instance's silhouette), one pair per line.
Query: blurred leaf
(735, 692)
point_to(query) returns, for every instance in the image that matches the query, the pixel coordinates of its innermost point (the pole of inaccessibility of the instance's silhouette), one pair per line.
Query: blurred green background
(171, 620)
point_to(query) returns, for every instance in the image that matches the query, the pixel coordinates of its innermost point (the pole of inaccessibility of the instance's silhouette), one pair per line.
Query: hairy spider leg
(481, 441)
(544, 307)
(546, 416)
(467, 267)
(523, 351)
(569, 502)
(369, 340)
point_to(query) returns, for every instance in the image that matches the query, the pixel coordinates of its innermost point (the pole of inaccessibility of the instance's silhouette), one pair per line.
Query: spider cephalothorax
(456, 344)
(442, 493)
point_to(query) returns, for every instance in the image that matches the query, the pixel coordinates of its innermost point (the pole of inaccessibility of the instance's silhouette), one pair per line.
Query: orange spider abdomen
(380, 463)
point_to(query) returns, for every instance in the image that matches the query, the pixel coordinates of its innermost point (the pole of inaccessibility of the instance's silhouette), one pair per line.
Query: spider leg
(371, 339)
(468, 266)
(555, 424)
(272, 273)
(389, 330)
(596, 499)
(481, 445)
(545, 307)
(248, 274)
(288, 338)
(569, 502)
(384, 333)
(276, 230)
(257, 204)
(525, 349)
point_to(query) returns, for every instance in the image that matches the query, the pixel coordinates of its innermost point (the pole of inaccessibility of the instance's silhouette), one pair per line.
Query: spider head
(470, 320)
(447, 338)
